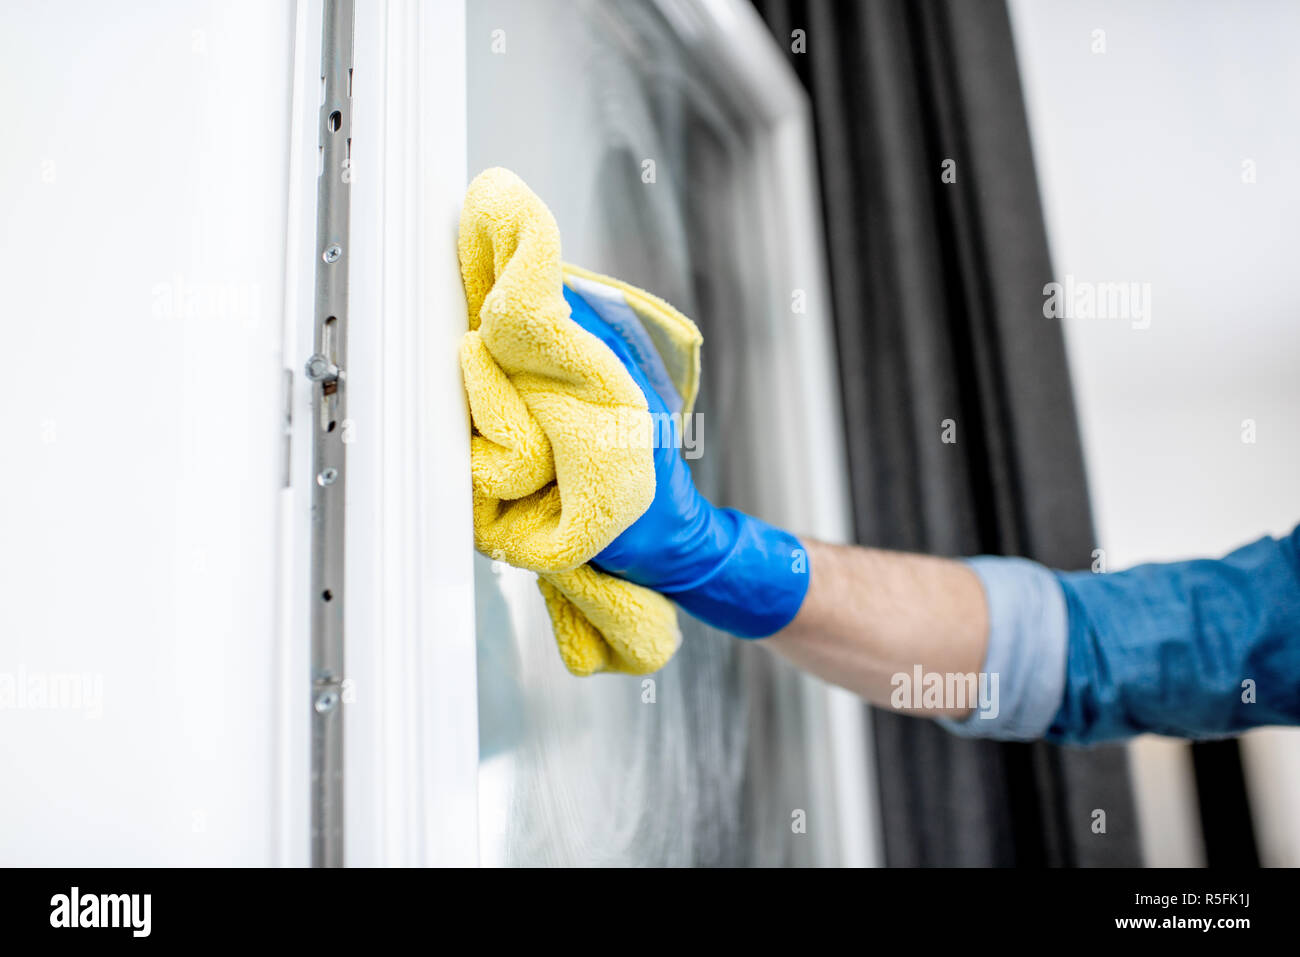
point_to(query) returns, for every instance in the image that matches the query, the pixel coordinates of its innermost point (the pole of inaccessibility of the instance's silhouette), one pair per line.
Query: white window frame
(411, 753)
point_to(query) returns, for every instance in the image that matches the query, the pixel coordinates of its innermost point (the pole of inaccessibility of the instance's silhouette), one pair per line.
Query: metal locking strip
(327, 370)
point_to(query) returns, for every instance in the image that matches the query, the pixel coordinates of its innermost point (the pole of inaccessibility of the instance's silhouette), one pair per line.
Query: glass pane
(707, 761)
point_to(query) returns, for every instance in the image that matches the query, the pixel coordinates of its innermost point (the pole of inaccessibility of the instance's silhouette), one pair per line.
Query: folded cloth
(561, 448)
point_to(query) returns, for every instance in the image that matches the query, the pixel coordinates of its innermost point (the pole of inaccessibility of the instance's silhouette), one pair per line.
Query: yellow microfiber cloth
(561, 449)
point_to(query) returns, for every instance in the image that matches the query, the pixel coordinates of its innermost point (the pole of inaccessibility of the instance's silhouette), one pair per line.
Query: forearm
(1194, 649)
(870, 615)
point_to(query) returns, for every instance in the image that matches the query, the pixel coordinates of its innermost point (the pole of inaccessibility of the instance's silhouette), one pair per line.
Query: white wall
(143, 186)
(1140, 152)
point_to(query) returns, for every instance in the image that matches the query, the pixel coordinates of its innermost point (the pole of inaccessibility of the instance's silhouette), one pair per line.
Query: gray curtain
(938, 306)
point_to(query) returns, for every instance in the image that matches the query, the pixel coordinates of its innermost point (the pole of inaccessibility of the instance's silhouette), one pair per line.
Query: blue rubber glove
(728, 569)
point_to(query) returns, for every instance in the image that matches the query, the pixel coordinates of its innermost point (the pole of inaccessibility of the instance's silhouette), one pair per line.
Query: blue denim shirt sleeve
(1200, 648)
(1025, 661)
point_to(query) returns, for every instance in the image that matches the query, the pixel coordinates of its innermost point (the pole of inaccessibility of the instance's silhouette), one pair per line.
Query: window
(661, 174)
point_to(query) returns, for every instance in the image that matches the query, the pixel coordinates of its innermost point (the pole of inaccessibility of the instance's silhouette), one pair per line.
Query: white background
(143, 187)
(1139, 153)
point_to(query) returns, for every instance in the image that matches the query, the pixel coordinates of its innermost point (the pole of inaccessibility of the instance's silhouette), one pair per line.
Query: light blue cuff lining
(1028, 636)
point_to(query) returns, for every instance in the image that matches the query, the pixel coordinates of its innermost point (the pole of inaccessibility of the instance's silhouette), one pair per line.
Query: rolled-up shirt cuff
(1025, 662)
